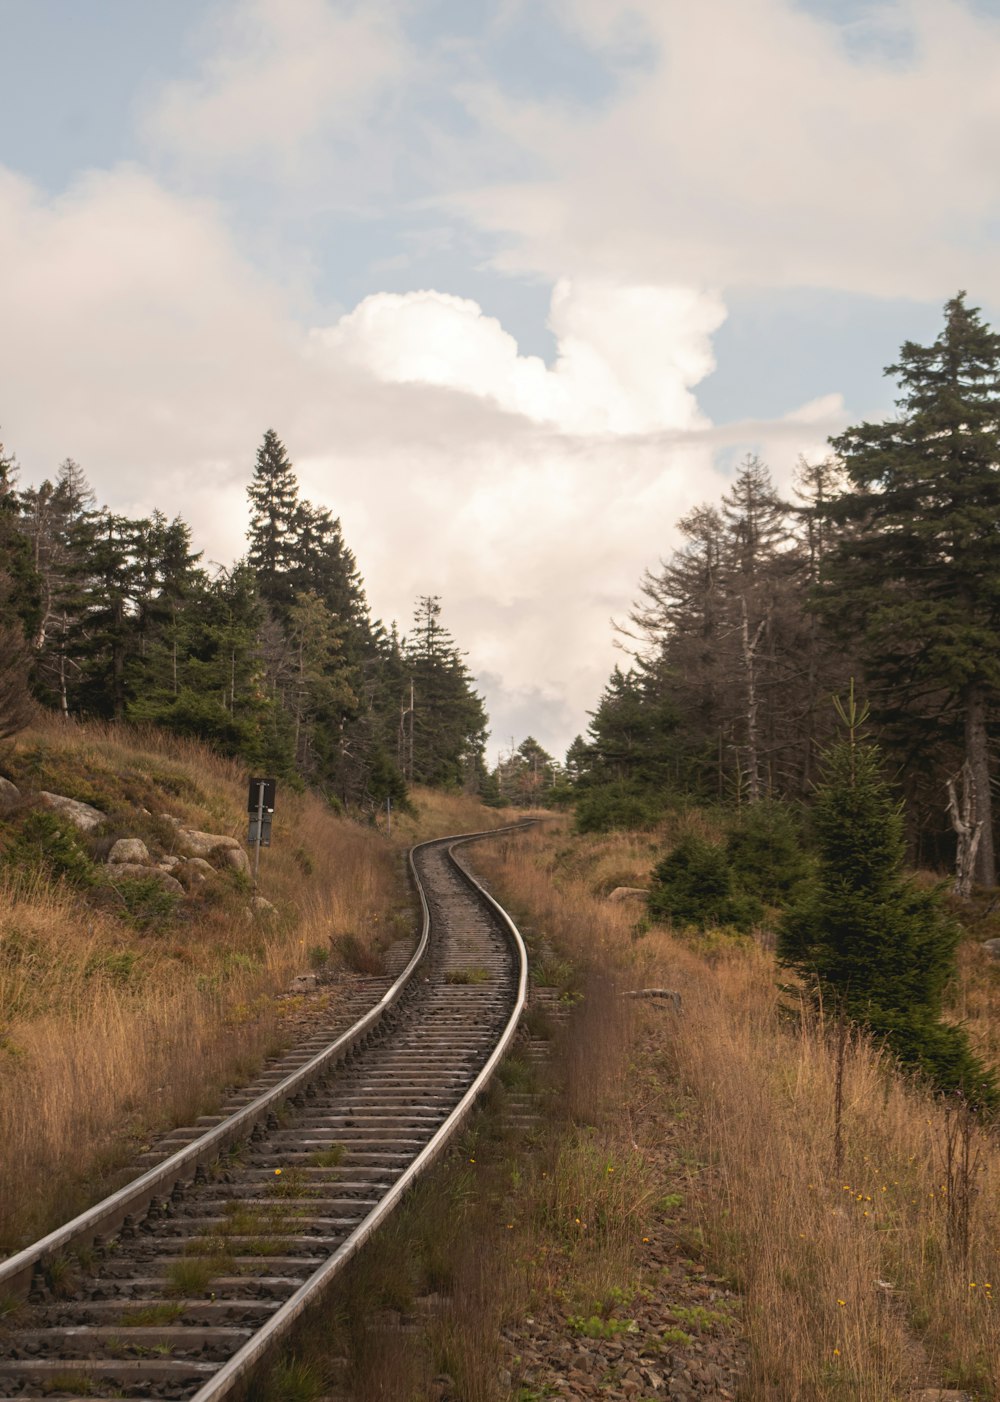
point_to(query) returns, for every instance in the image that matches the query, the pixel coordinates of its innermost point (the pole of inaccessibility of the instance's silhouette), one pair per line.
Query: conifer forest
(805, 711)
(879, 570)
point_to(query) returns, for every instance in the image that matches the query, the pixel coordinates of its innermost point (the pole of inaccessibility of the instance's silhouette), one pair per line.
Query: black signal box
(253, 795)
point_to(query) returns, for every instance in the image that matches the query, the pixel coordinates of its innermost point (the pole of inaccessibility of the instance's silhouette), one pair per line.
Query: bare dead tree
(963, 812)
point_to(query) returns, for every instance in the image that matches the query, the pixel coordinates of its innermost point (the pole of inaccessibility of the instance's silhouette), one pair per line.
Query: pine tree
(274, 520)
(21, 602)
(444, 731)
(872, 945)
(918, 581)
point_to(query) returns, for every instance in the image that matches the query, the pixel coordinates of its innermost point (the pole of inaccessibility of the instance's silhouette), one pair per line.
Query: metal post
(388, 817)
(260, 828)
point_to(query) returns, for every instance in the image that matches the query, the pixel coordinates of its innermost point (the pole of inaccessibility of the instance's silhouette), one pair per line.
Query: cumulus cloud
(138, 340)
(627, 356)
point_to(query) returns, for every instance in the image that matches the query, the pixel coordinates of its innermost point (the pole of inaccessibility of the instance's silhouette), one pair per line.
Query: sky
(518, 283)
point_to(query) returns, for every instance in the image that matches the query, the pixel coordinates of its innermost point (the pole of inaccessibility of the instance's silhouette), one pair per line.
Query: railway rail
(179, 1285)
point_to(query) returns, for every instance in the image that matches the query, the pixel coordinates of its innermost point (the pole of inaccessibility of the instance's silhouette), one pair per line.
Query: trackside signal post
(260, 806)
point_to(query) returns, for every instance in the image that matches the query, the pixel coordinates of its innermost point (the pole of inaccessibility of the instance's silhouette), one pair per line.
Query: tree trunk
(968, 828)
(977, 756)
(750, 669)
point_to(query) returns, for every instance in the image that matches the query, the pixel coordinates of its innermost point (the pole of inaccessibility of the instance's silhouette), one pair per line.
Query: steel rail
(236, 1371)
(105, 1217)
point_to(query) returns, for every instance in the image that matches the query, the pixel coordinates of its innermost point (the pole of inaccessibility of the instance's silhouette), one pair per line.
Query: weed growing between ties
(862, 1282)
(547, 1217)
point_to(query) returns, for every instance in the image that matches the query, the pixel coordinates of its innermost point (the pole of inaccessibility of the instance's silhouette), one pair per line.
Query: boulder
(195, 871)
(203, 844)
(236, 858)
(9, 793)
(303, 983)
(628, 893)
(168, 863)
(131, 850)
(259, 906)
(992, 948)
(132, 871)
(81, 815)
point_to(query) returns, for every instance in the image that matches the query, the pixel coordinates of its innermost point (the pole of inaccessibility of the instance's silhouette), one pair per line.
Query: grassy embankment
(122, 1013)
(713, 1133)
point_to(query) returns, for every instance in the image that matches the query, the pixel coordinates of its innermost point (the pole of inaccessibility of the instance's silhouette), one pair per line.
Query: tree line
(884, 567)
(275, 658)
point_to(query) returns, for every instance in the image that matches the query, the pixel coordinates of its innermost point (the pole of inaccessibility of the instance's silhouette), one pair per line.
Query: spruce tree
(274, 517)
(917, 581)
(871, 944)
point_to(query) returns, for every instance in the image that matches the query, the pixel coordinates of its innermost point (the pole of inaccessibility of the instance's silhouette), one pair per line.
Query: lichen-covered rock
(628, 893)
(9, 793)
(168, 863)
(261, 908)
(992, 948)
(134, 871)
(303, 983)
(236, 858)
(129, 849)
(195, 871)
(203, 844)
(81, 815)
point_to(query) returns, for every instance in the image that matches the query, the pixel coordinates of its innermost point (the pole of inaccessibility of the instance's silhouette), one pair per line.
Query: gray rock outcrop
(9, 793)
(129, 850)
(236, 858)
(131, 871)
(195, 871)
(81, 815)
(628, 893)
(203, 844)
(992, 948)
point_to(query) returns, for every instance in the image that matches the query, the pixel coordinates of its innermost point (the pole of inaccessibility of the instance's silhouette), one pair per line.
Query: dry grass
(109, 1033)
(860, 1282)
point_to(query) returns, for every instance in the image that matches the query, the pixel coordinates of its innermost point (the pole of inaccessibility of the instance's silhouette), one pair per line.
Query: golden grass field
(859, 1280)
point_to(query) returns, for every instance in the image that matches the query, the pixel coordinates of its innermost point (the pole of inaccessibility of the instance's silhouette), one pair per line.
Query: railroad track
(180, 1284)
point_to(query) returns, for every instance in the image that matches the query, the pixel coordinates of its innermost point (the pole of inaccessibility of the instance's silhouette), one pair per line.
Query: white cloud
(278, 77)
(627, 356)
(138, 341)
(754, 147)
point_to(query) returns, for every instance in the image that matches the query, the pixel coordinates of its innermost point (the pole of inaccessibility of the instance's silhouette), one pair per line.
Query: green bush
(693, 887)
(617, 806)
(45, 844)
(145, 903)
(765, 852)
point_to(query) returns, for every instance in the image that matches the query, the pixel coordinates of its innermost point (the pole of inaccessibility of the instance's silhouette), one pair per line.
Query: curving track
(178, 1285)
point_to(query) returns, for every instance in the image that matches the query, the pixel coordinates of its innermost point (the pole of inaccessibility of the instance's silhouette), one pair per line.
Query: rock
(168, 863)
(9, 793)
(939, 1394)
(129, 849)
(203, 844)
(236, 858)
(303, 983)
(132, 871)
(628, 893)
(195, 871)
(992, 948)
(259, 906)
(81, 815)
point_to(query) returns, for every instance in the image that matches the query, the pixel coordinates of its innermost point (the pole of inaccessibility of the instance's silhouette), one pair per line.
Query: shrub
(617, 806)
(46, 845)
(765, 852)
(693, 886)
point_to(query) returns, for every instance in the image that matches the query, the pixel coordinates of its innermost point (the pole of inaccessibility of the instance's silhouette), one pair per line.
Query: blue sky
(516, 283)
